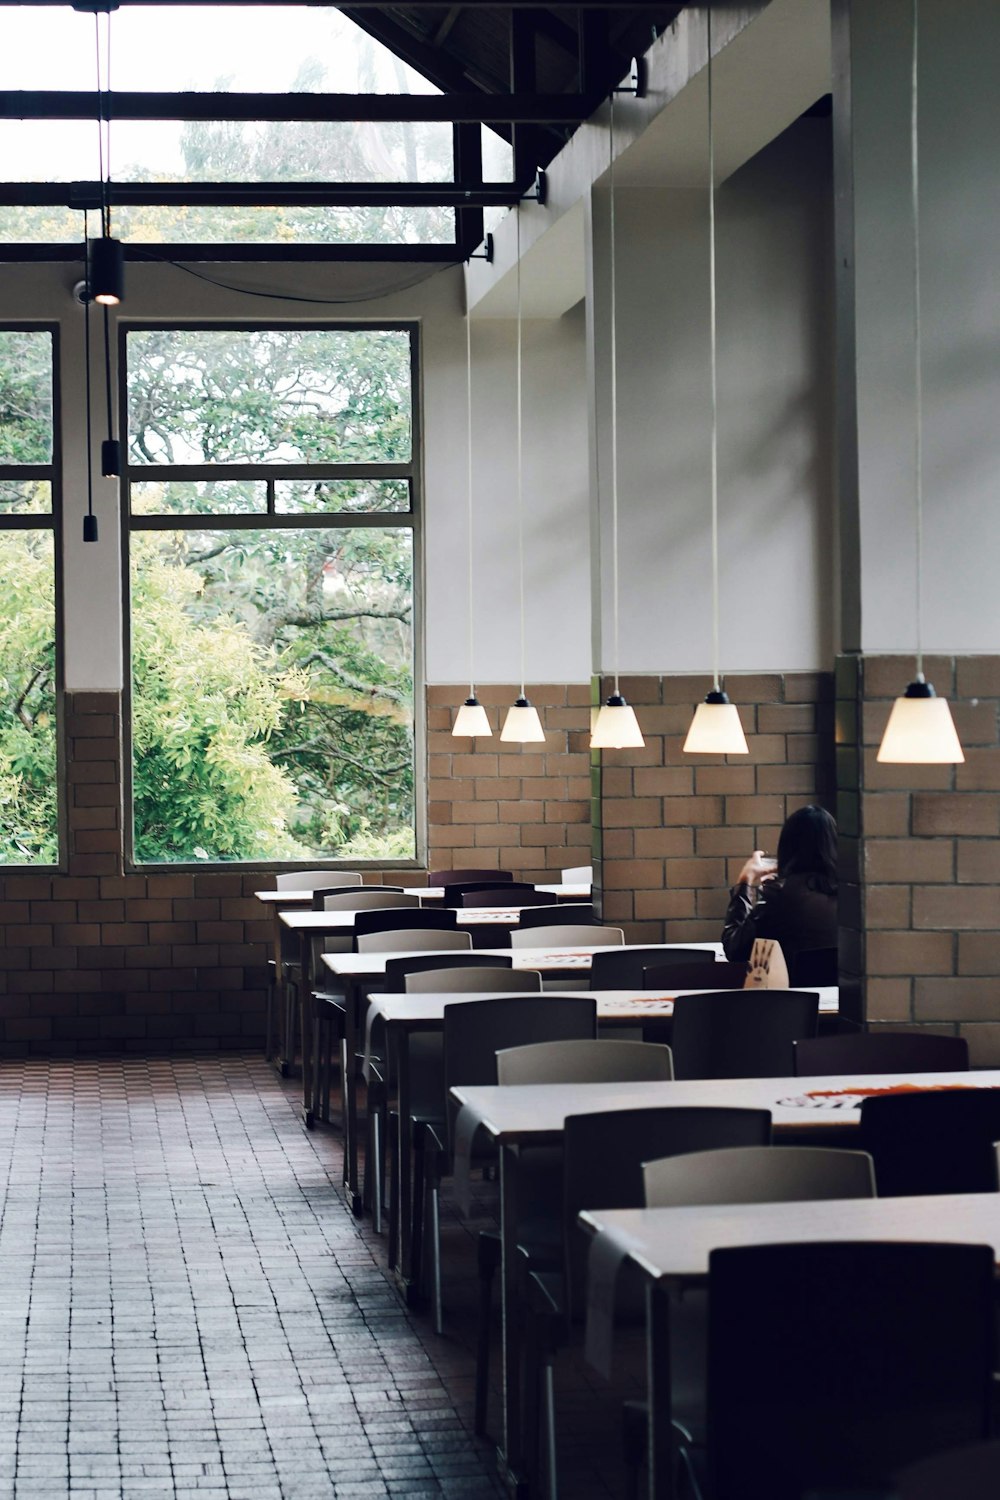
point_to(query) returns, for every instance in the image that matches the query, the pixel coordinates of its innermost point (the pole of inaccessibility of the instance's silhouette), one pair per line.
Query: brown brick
(888, 676)
(732, 779)
(886, 814)
(521, 763)
(95, 864)
(220, 932)
(667, 781)
(913, 861)
(121, 887)
(121, 934)
(102, 795)
(663, 842)
(889, 999)
(94, 703)
(712, 904)
(664, 905)
(81, 773)
(957, 999)
(96, 841)
(887, 906)
(792, 781)
(753, 810)
(172, 932)
(694, 812)
(82, 934)
(632, 874)
(559, 812)
(673, 719)
(534, 834)
(515, 812)
(92, 817)
(956, 906)
(786, 718)
(160, 886)
(808, 687)
(890, 777)
(202, 907)
(725, 841)
(978, 676)
(635, 812)
(91, 726)
(696, 872)
(976, 723)
(906, 953)
(686, 689)
(616, 781)
(979, 861)
(981, 771)
(218, 885)
(474, 812)
(804, 749)
(962, 812)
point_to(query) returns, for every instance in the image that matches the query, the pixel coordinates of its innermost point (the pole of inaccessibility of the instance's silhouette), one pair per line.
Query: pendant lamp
(920, 730)
(616, 726)
(107, 257)
(522, 725)
(89, 520)
(716, 728)
(471, 721)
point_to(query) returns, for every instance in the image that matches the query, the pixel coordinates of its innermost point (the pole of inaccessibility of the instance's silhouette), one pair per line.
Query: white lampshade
(616, 726)
(471, 721)
(522, 726)
(920, 731)
(716, 729)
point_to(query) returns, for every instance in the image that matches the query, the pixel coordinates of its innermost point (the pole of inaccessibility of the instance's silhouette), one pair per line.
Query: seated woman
(793, 898)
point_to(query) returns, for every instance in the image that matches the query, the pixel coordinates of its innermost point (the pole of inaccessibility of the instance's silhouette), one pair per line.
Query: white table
(522, 1115)
(354, 971)
(674, 1245)
(291, 896)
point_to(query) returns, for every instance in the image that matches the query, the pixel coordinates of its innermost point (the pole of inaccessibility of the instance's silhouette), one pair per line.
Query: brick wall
(675, 829)
(926, 852)
(524, 808)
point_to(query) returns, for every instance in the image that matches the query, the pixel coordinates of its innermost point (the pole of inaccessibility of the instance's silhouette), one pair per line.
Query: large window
(271, 481)
(29, 809)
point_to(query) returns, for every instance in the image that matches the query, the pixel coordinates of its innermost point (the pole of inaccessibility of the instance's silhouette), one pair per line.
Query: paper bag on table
(767, 969)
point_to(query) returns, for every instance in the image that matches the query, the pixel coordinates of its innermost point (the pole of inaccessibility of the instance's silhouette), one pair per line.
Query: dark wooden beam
(85, 104)
(467, 196)
(469, 170)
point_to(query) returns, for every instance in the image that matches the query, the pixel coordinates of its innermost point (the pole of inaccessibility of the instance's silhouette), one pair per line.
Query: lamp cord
(713, 374)
(468, 413)
(86, 362)
(917, 343)
(614, 394)
(520, 465)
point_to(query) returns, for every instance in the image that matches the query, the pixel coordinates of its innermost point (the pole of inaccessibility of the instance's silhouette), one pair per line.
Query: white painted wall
(960, 254)
(775, 415)
(556, 483)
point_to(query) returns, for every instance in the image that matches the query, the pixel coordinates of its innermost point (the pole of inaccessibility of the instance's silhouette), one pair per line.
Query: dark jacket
(791, 910)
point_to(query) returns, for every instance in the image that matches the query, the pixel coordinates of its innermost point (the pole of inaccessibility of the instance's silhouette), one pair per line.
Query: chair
(497, 895)
(473, 979)
(372, 898)
(737, 1175)
(832, 1365)
(399, 970)
(456, 877)
(603, 1156)
(601, 1061)
(881, 1052)
(308, 880)
(809, 966)
(412, 939)
(623, 969)
(699, 974)
(321, 892)
(939, 1141)
(568, 914)
(970, 1473)
(740, 1033)
(567, 936)
(384, 919)
(578, 875)
(473, 1034)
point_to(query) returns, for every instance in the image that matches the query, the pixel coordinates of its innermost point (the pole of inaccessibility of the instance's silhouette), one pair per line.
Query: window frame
(52, 521)
(411, 520)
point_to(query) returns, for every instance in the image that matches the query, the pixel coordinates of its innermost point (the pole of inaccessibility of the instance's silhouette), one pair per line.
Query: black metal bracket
(486, 253)
(95, 7)
(638, 79)
(541, 193)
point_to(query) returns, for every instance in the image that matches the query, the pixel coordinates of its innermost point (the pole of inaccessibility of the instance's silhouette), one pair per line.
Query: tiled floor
(188, 1309)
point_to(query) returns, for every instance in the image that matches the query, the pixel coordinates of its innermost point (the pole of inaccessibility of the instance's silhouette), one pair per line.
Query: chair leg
(344, 1115)
(435, 1228)
(393, 1171)
(489, 1259)
(375, 1116)
(549, 1401)
(419, 1213)
(269, 1023)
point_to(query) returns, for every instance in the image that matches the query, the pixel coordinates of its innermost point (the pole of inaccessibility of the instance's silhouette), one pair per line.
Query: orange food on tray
(889, 1088)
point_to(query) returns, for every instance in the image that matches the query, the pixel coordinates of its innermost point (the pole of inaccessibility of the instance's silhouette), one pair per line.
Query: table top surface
(292, 897)
(418, 1009)
(550, 958)
(669, 1242)
(303, 919)
(525, 1111)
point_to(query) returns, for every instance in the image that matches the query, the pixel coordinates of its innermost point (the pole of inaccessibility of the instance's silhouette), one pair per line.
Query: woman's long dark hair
(808, 846)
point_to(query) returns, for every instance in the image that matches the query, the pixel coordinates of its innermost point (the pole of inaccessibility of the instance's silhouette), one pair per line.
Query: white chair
(313, 880)
(758, 1174)
(578, 875)
(585, 1061)
(567, 937)
(414, 940)
(370, 899)
(481, 979)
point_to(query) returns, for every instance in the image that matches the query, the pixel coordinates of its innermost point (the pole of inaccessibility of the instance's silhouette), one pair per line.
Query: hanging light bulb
(920, 731)
(471, 721)
(107, 271)
(522, 724)
(616, 726)
(716, 728)
(89, 520)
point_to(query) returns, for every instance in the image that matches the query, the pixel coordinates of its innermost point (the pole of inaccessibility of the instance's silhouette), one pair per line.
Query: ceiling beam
(81, 195)
(85, 104)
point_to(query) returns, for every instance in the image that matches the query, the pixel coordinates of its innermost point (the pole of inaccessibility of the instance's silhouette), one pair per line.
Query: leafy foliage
(28, 797)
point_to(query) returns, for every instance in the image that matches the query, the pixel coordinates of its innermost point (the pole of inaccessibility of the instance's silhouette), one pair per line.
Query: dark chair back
(623, 968)
(456, 877)
(940, 1141)
(396, 969)
(700, 974)
(343, 890)
(567, 913)
(498, 895)
(474, 1032)
(740, 1033)
(604, 1153)
(972, 1473)
(389, 918)
(807, 966)
(832, 1364)
(881, 1052)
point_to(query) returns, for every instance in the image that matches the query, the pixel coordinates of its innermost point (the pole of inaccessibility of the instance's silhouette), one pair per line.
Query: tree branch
(366, 689)
(324, 748)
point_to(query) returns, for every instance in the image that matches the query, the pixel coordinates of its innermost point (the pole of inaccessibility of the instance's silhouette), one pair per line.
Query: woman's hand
(758, 868)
